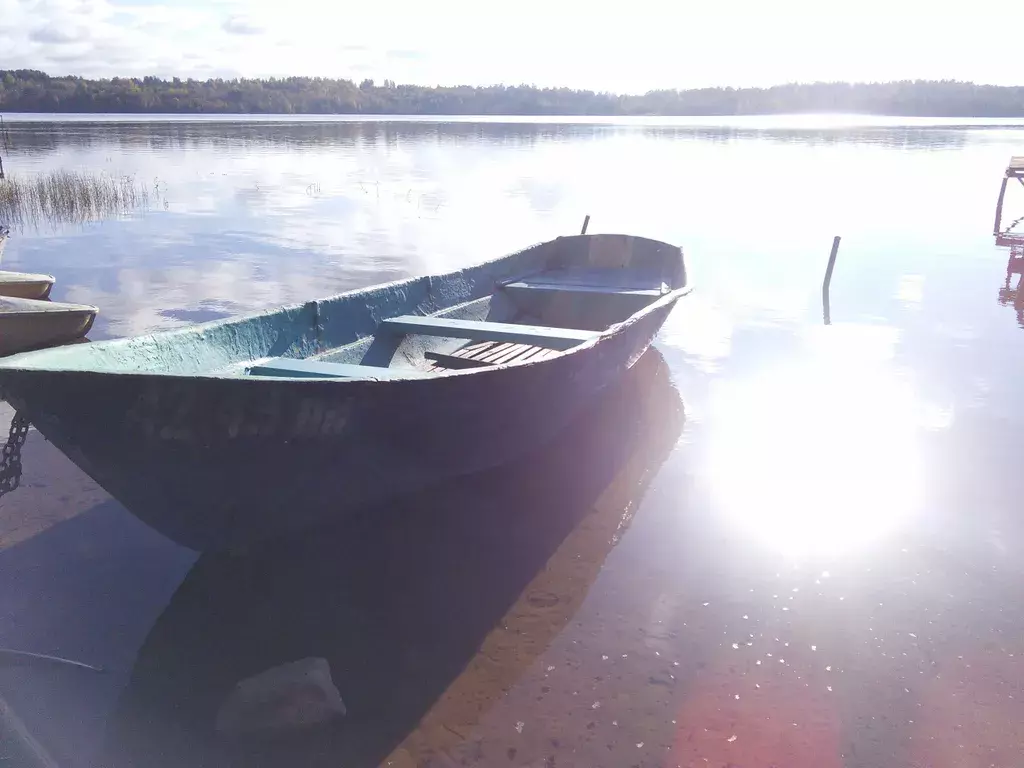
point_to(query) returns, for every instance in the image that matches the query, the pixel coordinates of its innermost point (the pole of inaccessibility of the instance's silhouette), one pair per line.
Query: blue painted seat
(606, 290)
(315, 369)
(539, 335)
(600, 281)
(591, 280)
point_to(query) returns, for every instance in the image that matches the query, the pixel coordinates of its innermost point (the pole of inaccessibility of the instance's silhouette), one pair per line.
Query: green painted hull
(174, 426)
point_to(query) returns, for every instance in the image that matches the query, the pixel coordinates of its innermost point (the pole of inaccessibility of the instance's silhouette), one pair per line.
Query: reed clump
(74, 197)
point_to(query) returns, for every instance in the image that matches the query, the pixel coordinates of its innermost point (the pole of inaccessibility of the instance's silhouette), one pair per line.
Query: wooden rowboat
(226, 433)
(24, 285)
(27, 324)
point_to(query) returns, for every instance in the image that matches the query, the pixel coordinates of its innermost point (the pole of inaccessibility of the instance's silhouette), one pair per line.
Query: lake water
(778, 543)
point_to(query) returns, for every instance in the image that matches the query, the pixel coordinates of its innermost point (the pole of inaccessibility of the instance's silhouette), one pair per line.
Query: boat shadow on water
(425, 614)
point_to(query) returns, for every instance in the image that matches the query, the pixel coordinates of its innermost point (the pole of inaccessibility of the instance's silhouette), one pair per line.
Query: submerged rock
(294, 695)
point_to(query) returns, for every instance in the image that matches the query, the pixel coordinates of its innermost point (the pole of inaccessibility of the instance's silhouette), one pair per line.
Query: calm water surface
(777, 543)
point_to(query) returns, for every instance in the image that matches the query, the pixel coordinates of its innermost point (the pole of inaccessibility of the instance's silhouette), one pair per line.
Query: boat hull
(26, 324)
(22, 285)
(217, 463)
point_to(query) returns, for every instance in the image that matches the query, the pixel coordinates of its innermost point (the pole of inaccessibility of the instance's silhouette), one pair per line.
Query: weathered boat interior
(528, 319)
(523, 308)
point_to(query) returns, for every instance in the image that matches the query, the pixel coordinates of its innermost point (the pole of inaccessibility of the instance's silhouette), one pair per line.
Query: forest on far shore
(24, 90)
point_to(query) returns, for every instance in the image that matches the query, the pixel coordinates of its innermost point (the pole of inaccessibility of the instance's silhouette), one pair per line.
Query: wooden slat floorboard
(493, 353)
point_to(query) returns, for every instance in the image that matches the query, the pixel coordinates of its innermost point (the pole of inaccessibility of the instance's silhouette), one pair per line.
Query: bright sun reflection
(818, 458)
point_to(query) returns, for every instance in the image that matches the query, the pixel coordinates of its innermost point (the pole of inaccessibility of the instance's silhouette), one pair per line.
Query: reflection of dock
(1014, 266)
(1015, 170)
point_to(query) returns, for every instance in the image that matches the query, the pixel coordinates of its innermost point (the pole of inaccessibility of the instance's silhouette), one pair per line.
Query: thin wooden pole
(826, 308)
(999, 206)
(586, 223)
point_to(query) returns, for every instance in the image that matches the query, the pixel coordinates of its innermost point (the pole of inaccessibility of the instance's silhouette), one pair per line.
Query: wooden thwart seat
(542, 285)
(479, 330)
(592, 280)
(292, 368)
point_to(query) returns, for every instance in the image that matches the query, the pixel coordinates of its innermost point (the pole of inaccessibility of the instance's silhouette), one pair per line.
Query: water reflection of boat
(235, 431)
(426, 614)
(28, 324)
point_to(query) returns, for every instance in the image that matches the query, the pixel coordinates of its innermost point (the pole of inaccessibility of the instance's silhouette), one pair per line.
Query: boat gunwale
(10, 362)
(26, 277)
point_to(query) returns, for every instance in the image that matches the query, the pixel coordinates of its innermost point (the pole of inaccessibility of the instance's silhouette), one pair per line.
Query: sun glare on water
(817, 458)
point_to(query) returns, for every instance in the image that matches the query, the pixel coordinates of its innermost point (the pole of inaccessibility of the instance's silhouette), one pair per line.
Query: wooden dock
(1015, 170)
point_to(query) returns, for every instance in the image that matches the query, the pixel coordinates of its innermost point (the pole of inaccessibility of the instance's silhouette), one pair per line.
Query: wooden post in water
(826, 309)
(3, 132)
(586, 223)
(999, 205)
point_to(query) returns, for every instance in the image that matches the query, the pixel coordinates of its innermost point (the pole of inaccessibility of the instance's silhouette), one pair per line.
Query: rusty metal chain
(10, 454)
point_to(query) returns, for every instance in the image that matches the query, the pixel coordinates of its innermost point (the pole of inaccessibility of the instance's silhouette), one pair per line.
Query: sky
(618, 46)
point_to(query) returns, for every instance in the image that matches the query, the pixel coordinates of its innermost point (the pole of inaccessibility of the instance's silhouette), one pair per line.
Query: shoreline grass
(68, 197)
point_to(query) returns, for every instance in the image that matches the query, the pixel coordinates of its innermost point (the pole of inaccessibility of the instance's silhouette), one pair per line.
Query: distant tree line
(24, 90)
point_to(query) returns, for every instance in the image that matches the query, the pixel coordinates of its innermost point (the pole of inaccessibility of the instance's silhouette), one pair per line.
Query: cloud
(406, 54)
(656, 45)
(58, 35)
(78, 56)
(241, 25)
